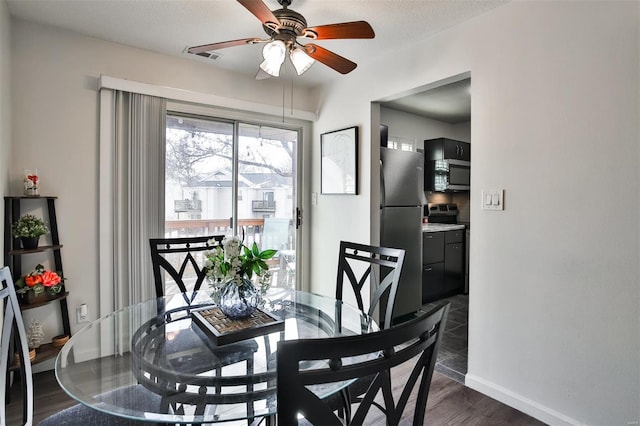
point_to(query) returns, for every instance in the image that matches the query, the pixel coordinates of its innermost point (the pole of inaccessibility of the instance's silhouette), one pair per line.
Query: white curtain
(132, 156)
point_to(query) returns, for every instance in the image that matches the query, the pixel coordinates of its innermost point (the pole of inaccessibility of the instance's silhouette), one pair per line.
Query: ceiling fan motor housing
(292, 26)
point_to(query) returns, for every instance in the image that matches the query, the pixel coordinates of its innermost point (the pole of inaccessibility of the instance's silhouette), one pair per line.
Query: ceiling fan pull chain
(291, 103)
(283, 89)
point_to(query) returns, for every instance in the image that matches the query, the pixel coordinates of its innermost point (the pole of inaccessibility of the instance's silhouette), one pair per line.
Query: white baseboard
(527, 406)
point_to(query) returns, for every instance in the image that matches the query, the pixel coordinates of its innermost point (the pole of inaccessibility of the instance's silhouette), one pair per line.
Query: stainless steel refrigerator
(401, 209)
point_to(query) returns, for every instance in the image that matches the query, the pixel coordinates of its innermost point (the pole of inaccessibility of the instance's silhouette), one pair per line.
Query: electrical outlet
(82, 313)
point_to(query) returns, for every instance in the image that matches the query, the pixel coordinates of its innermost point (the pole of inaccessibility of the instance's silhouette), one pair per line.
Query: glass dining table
(153, 362)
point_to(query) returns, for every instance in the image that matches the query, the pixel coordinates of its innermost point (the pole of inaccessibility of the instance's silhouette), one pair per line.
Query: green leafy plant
(233, 261)
(29, 226)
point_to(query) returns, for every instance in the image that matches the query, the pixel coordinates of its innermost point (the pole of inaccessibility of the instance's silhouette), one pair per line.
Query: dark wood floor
(450, 403)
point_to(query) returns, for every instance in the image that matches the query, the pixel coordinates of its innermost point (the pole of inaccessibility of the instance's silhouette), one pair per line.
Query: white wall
(461, 131)
(55, 128)
(554, 315)
(5, 103)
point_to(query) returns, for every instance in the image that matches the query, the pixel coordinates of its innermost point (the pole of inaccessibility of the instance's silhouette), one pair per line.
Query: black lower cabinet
(432, 281)
(453, 268)
(444, 275)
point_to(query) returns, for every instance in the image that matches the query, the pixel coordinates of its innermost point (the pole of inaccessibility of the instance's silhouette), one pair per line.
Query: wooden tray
(224, 330)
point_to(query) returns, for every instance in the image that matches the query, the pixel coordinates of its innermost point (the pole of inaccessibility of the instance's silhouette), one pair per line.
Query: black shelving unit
(13, 258)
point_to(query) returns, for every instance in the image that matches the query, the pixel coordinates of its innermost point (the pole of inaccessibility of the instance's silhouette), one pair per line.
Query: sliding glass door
(234, 178)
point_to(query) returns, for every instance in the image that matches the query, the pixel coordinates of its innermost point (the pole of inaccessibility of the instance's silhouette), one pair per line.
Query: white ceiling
(450, 103)
(169, 26)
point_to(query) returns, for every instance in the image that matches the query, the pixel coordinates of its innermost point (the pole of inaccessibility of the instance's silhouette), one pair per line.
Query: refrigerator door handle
(382, 190)
(381, 224)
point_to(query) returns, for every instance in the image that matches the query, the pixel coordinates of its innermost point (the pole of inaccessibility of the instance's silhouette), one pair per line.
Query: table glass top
(151, 362)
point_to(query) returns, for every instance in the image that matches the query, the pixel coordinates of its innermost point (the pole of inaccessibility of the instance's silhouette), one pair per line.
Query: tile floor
(452, 356)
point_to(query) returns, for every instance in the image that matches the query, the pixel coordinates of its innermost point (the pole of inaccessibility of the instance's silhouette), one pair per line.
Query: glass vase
(239, 301)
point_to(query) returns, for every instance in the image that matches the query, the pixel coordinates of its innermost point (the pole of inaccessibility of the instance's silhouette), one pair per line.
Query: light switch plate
(493, 199)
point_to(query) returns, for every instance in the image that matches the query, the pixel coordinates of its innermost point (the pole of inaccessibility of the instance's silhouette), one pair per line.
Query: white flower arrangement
(233, 261)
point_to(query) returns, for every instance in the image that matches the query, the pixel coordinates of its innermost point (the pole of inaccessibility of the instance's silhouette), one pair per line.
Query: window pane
(402, 143)
(199, 186)
(198, 190)
(267, 178)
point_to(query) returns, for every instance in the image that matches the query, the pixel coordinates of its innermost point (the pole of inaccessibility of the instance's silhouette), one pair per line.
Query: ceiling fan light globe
(274, 51)
(300, 60)
(274, 54)
(270, 68)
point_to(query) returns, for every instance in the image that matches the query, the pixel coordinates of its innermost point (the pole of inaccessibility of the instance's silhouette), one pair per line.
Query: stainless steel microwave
(447, 175)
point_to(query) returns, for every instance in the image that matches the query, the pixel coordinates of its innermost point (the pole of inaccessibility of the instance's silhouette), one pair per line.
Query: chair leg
(346, 406)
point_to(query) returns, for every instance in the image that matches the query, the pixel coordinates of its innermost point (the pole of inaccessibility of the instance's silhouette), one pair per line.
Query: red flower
(49, 279)
(32, 280)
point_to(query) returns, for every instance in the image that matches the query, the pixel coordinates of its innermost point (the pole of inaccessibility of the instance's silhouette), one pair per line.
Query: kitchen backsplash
(464, 206)
(460, 198)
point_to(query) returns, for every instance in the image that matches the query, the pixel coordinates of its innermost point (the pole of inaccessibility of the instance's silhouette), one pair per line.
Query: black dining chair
(14, 340)
(378, 268)
(412, 346)
(182, 259)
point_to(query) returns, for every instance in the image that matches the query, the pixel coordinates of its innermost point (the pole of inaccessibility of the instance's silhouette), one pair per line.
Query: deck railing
(281, 267)
(197, 227)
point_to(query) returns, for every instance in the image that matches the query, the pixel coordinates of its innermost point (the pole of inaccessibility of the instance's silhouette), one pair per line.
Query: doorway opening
(438, 110)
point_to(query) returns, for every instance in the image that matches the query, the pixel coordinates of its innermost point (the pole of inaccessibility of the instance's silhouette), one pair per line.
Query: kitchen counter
(440, 227)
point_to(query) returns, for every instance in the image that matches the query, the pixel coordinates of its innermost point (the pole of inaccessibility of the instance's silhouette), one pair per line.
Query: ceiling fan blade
(330, 59)
(357, 29)
(222, 45)
(262, 12)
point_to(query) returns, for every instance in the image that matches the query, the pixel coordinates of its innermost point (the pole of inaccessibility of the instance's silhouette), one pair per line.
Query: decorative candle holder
(31, 182)
(35, 334)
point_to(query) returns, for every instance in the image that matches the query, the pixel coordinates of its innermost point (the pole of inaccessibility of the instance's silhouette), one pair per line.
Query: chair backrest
(14, 339)
(275, 234)
(312, 362)
(181, 258)
(379, 267)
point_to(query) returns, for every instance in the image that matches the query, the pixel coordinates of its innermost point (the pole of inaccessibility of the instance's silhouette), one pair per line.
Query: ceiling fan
(285, 28)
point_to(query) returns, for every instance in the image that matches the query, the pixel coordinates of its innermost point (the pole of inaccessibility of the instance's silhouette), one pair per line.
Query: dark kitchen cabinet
(432, 247)
(432, 281)
(454, 261)
(432, 265)
(446, 149)
(455, 236)
(453, 268)
(442, 264)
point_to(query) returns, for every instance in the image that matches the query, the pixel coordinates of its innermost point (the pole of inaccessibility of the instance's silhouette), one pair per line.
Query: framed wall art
(339, 167)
